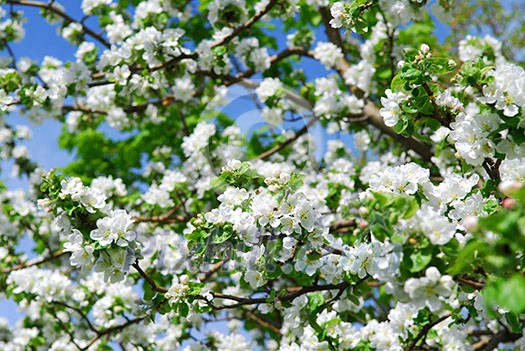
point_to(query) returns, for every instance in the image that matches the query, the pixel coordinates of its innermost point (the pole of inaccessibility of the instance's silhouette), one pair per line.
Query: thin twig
(264, 323)
(424, 331)
(470, 282)
(342, 226)
(11, 54)
(287, 142)
(111, 330)
(246, 24)
(66, 329)
(214, 269)
(168, 217)
(148, 279)
(437, 115)
(62, 14)
(79, 311)
(292, 294)
(501, 337)
(35, 262)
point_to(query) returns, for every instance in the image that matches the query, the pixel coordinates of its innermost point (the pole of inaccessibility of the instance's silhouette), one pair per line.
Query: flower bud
(184, 279)
(44, 203)
(425, 49)
(363, 211)
(470, 223)
(234, 164)
(508, 203)
(509, 187)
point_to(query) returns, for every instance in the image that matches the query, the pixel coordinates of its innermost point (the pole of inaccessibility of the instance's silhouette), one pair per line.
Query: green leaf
(219, 50)
(397, 83)
(408, 206)
(514, 322)
(315, 300)
(491, 206)
(413, 75)
(184, 309)
(273, 271)
(255, 146)
(420, 260)
(316, 19)
(504, 223)
(384, 73)
(517, 133)
(507, 293)
(440, 65)
(195, 288)
(224, 121)
(38, 341)
(353, 299)
(271, 297)
(401, 126)
(222, 235)
(296, 181)
(219, 183)
(466, 257)
(514, 122)
(149, 293)
(164, 308)
(488, 187)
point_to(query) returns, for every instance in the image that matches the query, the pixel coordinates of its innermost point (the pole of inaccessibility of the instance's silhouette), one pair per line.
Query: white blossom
(429, 290)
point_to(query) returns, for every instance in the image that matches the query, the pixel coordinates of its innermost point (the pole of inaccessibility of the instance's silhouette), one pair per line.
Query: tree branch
(214, 269)
(66, 329)
(262, 322)
(168, 217)
(35, 262)
(469, 282)
(292, 294)
(111, 330)
(342, 226)
(246, 24)
(287, 142)
(370, 109)
(224, 41)
(375, 119)
(501, 337)
(148, 279)
(65, 16)
(492, 168)
(79, 311)
(424, 331)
